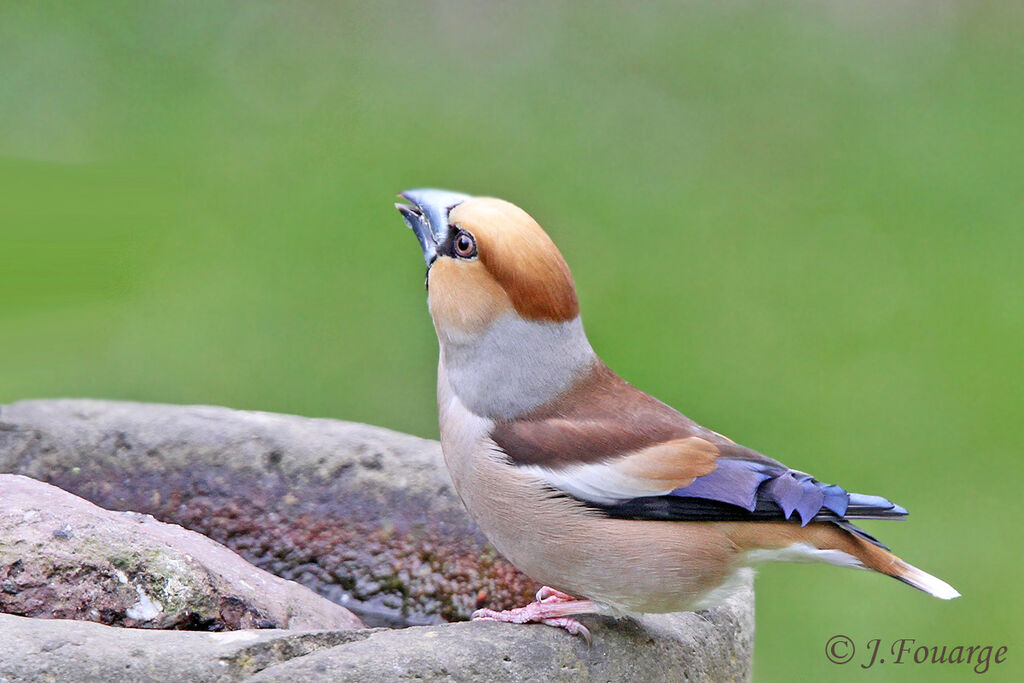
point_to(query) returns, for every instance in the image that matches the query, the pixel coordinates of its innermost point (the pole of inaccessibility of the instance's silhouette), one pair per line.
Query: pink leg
(553, 608)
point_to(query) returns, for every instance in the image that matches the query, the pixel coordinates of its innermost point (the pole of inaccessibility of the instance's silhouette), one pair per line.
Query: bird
(615, 502)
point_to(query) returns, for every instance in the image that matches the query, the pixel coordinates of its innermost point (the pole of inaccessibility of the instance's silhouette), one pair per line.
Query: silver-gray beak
(428, 216)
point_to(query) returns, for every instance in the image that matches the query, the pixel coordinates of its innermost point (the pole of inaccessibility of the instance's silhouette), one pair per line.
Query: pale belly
(630, 566)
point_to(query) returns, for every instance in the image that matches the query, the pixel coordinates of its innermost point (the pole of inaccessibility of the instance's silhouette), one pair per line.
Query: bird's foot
(552, 608)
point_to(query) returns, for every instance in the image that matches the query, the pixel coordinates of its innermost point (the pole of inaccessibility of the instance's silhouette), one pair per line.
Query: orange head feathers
(487, 257)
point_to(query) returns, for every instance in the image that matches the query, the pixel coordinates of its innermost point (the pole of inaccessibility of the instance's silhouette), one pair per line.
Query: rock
(63, 557)
(711, 646)
(59, 650)
(362, 515)
(666, 647)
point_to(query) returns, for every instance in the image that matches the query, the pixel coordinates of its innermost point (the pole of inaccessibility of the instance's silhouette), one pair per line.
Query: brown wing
(604, 419)
(608, 444)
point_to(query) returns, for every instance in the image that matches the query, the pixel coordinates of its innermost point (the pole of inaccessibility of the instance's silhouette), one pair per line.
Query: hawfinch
(615, 502)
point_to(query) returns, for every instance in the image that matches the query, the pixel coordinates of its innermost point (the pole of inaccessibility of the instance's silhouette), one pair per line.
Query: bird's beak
(428, 216)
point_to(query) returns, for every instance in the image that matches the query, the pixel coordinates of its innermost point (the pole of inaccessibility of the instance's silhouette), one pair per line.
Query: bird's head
(487, 258)
(499, 291)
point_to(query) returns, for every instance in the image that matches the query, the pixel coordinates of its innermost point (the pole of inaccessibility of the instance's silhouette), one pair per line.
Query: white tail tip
(927, 583)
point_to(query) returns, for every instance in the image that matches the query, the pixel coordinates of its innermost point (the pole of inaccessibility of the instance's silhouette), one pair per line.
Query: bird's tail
(922, 580)
(880, 559)
(885, 562)
(839, 543)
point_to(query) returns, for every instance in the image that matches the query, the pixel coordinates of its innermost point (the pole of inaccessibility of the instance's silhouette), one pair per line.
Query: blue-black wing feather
(745, 490)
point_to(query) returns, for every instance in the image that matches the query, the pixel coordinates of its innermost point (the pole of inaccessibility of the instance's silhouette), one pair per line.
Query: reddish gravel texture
(380, 558)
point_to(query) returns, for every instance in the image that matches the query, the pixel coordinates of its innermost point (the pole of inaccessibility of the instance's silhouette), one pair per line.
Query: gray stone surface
(63, 557)
(714, 646)
(711, 646)
(77, 651)
(362, 515)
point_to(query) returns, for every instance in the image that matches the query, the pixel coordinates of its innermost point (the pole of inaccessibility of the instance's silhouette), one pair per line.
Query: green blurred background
(802, 224)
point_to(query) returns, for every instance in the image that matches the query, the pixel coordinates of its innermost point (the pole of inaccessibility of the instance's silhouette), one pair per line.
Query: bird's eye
(465, 245)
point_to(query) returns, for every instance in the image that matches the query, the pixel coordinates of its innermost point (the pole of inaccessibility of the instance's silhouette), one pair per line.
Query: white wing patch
(599, 483)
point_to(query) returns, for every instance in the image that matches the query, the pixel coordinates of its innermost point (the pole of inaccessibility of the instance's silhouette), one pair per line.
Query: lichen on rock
(63, 557)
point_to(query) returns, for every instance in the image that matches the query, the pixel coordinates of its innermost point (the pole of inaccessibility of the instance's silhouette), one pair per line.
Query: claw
(572, 626)
(549, 594)
(553, 608)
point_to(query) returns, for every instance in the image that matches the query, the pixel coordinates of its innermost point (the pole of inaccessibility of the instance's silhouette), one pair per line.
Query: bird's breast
(631, 566)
